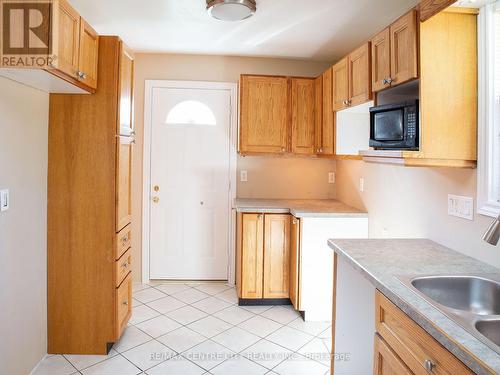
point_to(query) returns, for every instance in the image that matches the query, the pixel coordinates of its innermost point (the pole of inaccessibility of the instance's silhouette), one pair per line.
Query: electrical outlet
(4, 200)
(361, 184)
(244, 176)
(462, 207)
(331, 177)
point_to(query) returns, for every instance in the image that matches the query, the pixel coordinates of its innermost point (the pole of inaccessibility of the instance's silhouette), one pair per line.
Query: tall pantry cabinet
(89, 209)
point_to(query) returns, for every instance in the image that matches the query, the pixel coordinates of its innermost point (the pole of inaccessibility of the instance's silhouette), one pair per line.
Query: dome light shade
(231, 10)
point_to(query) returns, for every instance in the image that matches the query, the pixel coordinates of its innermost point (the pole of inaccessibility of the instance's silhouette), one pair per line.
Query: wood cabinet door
(124, 182)
(340, 84)
(89, 52)
(295, 263)
(277, 256)
(264, 114)
(303, 116)
(386, 362)
(360, 83)
(318, 116)
(68, 39)
(381, 60)
(328, 117)
(404, 54)
(126, 113)
(252, 255)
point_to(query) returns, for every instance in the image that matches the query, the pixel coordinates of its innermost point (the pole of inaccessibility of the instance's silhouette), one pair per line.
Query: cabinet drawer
(123, 241)
(123, 267)
(412, 343)
(123, 305)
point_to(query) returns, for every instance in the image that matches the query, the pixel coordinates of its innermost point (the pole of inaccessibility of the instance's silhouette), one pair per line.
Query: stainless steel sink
(473, 301)
(473, 294)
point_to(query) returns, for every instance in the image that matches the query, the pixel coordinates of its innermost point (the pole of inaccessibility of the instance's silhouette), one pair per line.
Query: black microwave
(395, 126)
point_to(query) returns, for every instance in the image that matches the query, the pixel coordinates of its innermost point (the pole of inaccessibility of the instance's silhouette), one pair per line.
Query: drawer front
(123, 266)
(412, 343)
(123, 305)
(123, 241)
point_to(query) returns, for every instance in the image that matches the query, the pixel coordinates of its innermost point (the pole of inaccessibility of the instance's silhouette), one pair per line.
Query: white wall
(412, 202)
(23, 229)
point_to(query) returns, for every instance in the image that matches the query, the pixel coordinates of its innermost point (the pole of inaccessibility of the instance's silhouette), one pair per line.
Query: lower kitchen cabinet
(403, 347)
(263, 256)
(295, 263)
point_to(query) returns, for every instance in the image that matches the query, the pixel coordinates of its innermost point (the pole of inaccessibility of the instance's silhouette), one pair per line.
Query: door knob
(156, 199)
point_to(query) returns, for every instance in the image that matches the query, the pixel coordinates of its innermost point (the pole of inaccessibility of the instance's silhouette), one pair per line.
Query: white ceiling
(321, 30)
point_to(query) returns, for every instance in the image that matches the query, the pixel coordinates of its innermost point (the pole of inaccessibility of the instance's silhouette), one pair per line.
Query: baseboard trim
(264, 302)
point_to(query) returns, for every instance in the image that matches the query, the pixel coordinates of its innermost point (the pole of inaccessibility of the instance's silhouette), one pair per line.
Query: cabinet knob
(156, 199)
(81, 75)
(429, 365)
(294, 222)
(283, 149)
(125, 303)
(259, 217)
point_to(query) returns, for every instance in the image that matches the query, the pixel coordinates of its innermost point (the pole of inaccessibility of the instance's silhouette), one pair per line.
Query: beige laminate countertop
(300, 208)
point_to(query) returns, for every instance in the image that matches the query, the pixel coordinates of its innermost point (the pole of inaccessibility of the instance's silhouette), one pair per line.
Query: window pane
(191, 112)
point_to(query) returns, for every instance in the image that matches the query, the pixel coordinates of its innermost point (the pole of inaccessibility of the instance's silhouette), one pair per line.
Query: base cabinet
(263, 256)
(403, 347)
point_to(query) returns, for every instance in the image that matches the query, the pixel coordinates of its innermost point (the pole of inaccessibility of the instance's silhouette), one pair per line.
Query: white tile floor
(194, 329)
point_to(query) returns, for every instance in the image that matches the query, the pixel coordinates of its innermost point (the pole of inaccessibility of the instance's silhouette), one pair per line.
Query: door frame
(233, 157)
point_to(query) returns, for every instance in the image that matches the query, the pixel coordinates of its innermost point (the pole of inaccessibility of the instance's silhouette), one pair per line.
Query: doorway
(190, 162)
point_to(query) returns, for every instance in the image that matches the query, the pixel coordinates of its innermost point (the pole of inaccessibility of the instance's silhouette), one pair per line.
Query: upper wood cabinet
(303, 116)
(381, 60)
(325, 126)
(360, 76)
(126, 113)
(264, 111)
(340, 72)
(67, 43)
(395, 53)
(89, 51)
(352, 79)
(277, 256)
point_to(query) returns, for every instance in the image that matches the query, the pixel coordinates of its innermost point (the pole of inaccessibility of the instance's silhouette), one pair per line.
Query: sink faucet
(492, 235)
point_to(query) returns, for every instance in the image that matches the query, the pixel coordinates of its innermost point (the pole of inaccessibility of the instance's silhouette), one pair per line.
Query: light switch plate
(462, 207)
(331, 177)
(244, 176)
(4, 200)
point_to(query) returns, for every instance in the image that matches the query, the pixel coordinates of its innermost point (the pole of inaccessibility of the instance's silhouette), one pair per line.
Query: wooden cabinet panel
(404, 54)
(412, 343)
(303, 116)
(386, 362)
(264, 114)
(276, 256)
(318, 118)
(123, 241)
(67, 38)
(360, 76)
(295, 263)
(89, 51)
(381, 60)
(124, 183)
(123, 305)
(123, 267)
(126, 112)
(252, 255)
(328, 117)
(340, 84)
(429, 8)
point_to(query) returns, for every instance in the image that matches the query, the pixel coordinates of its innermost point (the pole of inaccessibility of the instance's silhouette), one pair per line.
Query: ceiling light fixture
(231, 10)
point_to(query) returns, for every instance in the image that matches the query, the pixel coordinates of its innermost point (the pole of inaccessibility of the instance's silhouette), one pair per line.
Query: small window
(191, 112)
(489, 107)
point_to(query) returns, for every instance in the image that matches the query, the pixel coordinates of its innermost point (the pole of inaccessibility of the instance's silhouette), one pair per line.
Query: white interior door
(190, 177)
